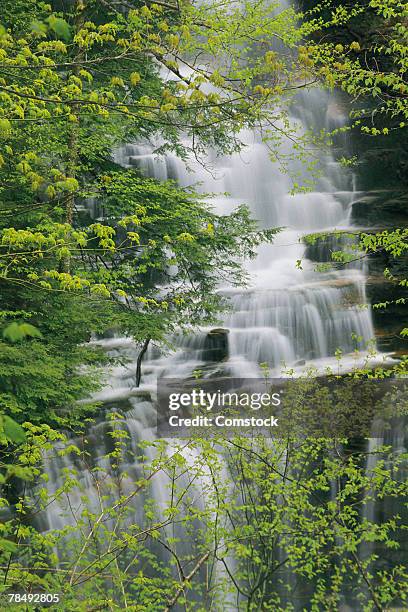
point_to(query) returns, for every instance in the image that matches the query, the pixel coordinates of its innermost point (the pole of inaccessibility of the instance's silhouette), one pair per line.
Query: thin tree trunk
(139, 362)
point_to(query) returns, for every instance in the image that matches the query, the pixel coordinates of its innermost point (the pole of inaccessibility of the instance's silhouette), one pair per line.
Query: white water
(288, 316)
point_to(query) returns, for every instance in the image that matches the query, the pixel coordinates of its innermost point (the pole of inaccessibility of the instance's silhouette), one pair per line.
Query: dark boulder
(216, 345)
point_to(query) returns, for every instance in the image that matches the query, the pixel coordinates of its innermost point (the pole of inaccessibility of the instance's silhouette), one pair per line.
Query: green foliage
(371, 69)
(364, 53)
(17, 331)
(170, 238)
(295, 510)
(11, 430)
(77, 80)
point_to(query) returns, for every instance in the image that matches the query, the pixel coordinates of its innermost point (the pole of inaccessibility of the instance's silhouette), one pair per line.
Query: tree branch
(180, 590)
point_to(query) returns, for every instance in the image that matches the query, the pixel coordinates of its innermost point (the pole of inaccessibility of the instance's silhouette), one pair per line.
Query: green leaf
(39, 28)
(134, 78)
(7, 546)
(5, 127)
(17, 331)
(60, 27)
(29, 330)
(13, 332)
(13, 430)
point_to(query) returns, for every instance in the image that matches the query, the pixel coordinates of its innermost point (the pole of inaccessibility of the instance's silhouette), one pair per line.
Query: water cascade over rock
(289, 312)
(289, 315)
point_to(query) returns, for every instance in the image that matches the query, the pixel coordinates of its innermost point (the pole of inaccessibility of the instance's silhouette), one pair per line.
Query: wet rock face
(383, 175)
(216, 345)
(320, 251)
(390, 320)
(386, 208)
(383, 162)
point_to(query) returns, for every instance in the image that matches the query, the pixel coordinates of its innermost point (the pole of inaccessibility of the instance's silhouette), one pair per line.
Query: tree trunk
(139, 362)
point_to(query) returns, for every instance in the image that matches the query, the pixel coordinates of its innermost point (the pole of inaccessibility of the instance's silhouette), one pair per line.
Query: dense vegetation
(78, 80)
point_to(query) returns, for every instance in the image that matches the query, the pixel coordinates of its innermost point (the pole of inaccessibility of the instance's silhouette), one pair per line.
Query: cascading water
(289, 316)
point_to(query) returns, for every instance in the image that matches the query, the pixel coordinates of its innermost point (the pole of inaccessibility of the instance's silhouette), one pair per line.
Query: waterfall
(289, 315)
